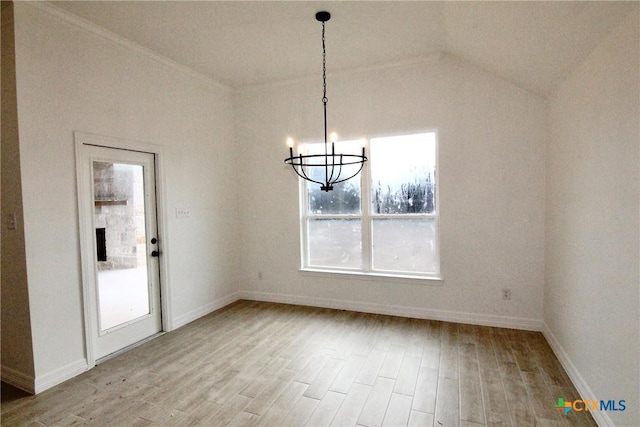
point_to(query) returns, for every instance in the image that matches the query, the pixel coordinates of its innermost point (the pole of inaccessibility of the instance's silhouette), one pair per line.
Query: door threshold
(127, 348)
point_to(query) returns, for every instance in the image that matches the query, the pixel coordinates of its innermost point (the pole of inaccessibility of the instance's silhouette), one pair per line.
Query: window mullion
(333, 216)
(365, 199)
(304, 222)
(405, 216)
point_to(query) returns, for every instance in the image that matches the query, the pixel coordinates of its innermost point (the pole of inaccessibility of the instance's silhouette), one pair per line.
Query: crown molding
(109, 36)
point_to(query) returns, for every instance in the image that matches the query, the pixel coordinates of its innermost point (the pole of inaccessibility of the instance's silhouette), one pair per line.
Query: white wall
(491, 189)
(591, 300)
(17, 354)
(70, 79)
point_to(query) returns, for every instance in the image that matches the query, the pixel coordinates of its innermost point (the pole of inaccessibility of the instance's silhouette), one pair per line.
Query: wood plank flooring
(263, 364)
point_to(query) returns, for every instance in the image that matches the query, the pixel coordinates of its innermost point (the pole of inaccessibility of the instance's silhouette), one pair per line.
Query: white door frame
(82, 139)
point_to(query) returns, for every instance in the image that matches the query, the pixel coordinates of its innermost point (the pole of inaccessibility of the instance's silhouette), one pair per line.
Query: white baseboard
(203, 311)
(41, 383)
(60, 375)
(18, 379)
(396, 310)
(578, 381)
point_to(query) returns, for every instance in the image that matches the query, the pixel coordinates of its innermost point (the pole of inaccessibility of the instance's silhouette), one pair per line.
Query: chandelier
(330, 161)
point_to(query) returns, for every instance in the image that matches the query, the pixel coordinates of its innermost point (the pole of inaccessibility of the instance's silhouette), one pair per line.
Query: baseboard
(203, 311)
(60, 375)
(18, 379)
(578, 381)
(402, 311)
(39, 384)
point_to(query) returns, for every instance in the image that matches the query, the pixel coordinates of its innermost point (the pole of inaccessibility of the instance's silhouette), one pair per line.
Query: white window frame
(367, 217)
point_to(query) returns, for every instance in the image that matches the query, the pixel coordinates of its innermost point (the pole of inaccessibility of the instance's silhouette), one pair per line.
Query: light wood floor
(281, 365)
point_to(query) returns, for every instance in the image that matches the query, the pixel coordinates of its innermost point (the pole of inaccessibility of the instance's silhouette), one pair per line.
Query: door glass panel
(121, 248)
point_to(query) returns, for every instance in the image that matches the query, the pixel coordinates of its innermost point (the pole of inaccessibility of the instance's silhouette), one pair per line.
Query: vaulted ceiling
(534, 45)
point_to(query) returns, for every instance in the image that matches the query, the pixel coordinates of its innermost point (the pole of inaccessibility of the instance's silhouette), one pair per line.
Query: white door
(120, 247)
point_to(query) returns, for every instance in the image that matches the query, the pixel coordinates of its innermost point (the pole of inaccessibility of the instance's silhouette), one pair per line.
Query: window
(385, 220)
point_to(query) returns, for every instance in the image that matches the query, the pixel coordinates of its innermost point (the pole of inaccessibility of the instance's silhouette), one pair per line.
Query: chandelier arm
(346, 179)
(327, 177)
(333, 167)
(298, 167)
(304, 176)
(361, 160)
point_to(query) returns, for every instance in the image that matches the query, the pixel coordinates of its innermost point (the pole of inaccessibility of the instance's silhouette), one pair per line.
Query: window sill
(375, 276)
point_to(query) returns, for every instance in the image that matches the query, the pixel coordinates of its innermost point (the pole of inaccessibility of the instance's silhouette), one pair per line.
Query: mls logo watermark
(589, 405)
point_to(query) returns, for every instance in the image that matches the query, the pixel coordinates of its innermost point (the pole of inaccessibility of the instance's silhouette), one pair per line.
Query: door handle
(155, 253)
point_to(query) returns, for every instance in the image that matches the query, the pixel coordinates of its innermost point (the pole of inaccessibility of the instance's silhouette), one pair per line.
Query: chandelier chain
(324, 69)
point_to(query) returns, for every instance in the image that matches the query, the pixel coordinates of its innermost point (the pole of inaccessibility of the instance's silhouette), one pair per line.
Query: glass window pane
(403, 174)
(335, 243)
(343, 199)
(345, 196)
(405, 245)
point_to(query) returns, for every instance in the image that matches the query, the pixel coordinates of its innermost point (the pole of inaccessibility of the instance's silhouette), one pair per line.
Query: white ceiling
(532, 44)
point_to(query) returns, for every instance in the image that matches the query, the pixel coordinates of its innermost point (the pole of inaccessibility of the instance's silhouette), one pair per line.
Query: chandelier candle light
(330, 161)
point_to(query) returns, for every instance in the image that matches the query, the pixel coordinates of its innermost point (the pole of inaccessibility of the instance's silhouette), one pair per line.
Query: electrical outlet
(506, 294)
(183, 212)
